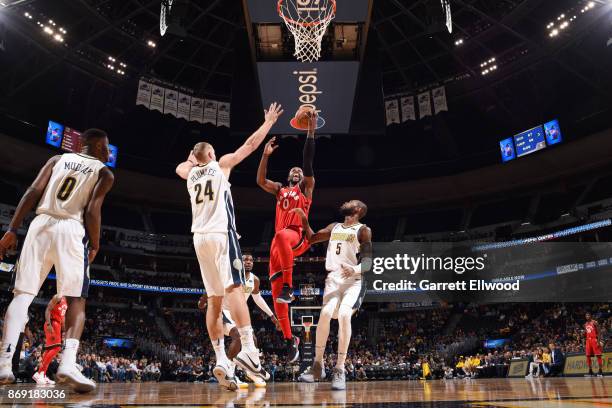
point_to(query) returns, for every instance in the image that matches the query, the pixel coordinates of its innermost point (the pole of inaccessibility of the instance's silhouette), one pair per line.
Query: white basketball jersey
(343, 247)
(211, 199)
(69, 190)
(248, 287)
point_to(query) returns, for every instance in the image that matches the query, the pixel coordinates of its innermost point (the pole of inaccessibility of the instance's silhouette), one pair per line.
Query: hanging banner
(184, 106)
(408, 111)
(223, 114)
(197, 110)
(143, 97)
(439, 99)
(157, 98)
(171, 102)
(424, 105)
(392, 110)
(210, 111)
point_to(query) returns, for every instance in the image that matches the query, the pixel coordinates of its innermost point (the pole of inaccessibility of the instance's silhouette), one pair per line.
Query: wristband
(13, 230)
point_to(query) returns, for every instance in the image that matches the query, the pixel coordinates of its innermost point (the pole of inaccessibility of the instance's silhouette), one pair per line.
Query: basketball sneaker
(71, 375)
(338, 379)
(49, 381)
(224, 374)
(241, 385)
(39, 378)
(249, 362)
(286, 295)
(6, 373)
(294, 349)
(313, 373)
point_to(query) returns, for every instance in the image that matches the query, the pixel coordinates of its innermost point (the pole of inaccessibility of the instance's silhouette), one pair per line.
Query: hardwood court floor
(553, 392)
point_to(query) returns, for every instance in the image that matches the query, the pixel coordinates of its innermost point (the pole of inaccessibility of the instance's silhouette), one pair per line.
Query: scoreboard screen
(55, 132)
(553, 132)
(72, 140)
(507, 149)
(529, 141)
(69, 140)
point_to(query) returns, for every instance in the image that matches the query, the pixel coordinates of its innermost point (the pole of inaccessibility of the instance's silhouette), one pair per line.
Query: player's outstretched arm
(229, 161)
(308, 157)
(183, 169)
(93, 213)
(26, 204)
(261, 303)
(268, 186)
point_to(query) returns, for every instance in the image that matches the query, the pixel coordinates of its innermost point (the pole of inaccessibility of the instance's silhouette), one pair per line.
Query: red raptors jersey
(591, 330)
(59, 311)
(287, 199)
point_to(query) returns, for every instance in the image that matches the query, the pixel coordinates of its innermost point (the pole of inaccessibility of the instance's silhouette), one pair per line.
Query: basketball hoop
(307, 20)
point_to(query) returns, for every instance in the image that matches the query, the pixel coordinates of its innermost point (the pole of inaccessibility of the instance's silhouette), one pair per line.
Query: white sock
(219, 347)
(15, 320)
(246, 338)
(70, 352)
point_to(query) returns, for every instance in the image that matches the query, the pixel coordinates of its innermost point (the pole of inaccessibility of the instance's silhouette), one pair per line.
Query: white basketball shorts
(55, 242)
(220, 261)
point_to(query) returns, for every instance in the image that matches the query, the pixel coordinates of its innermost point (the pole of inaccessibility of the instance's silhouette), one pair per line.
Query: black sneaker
(600, 374)
(294, 349)
(286, 295)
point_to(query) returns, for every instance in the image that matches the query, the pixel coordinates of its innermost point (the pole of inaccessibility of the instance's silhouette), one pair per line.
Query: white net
(307, 20)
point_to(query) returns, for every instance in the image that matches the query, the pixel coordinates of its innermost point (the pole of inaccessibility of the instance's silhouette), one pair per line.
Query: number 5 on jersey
(208, 192)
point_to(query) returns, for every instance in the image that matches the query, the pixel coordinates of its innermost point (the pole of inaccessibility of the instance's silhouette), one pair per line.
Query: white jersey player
(251, 288)
(349, 256)
(216, 244)
(68, 194)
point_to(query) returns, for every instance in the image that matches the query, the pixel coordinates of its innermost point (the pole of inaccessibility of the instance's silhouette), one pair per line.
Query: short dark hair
(92, 135)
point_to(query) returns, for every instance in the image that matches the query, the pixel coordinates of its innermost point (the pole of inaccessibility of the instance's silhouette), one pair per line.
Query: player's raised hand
(7, 243)
(273, 113)
(312, 119)
(270, 147)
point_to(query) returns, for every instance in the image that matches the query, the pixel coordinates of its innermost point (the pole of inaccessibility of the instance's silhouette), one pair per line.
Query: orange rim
(303, 23)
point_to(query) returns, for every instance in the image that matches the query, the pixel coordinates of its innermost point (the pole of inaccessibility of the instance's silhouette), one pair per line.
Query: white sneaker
(338, 379)
(70, 374)
(39, 378)
(6, 373)
(249, 362)
(49, 381)
(258, 381)
(222, 373)
(313, 373)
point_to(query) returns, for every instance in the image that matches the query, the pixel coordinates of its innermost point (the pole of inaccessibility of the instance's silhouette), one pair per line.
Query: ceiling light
(48, 30)
(151, 44)
(58, 38)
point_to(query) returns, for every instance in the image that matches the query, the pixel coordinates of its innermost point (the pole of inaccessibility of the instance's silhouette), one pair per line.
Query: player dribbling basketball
(54, 325)
(349, 257)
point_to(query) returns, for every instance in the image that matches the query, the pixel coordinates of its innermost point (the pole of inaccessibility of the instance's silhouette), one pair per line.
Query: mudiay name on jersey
(201, 173)
(342, 236)
(80, 167)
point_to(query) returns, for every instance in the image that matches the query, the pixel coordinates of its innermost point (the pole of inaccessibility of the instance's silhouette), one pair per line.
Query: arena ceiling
(538, 74)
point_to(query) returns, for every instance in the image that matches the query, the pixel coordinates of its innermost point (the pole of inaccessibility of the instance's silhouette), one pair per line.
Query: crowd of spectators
(406, 344)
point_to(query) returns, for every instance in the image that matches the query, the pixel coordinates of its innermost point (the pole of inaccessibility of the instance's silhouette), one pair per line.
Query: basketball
(303, 116)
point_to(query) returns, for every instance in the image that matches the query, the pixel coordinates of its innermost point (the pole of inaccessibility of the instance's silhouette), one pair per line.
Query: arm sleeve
(308, 157)
(262, 304)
